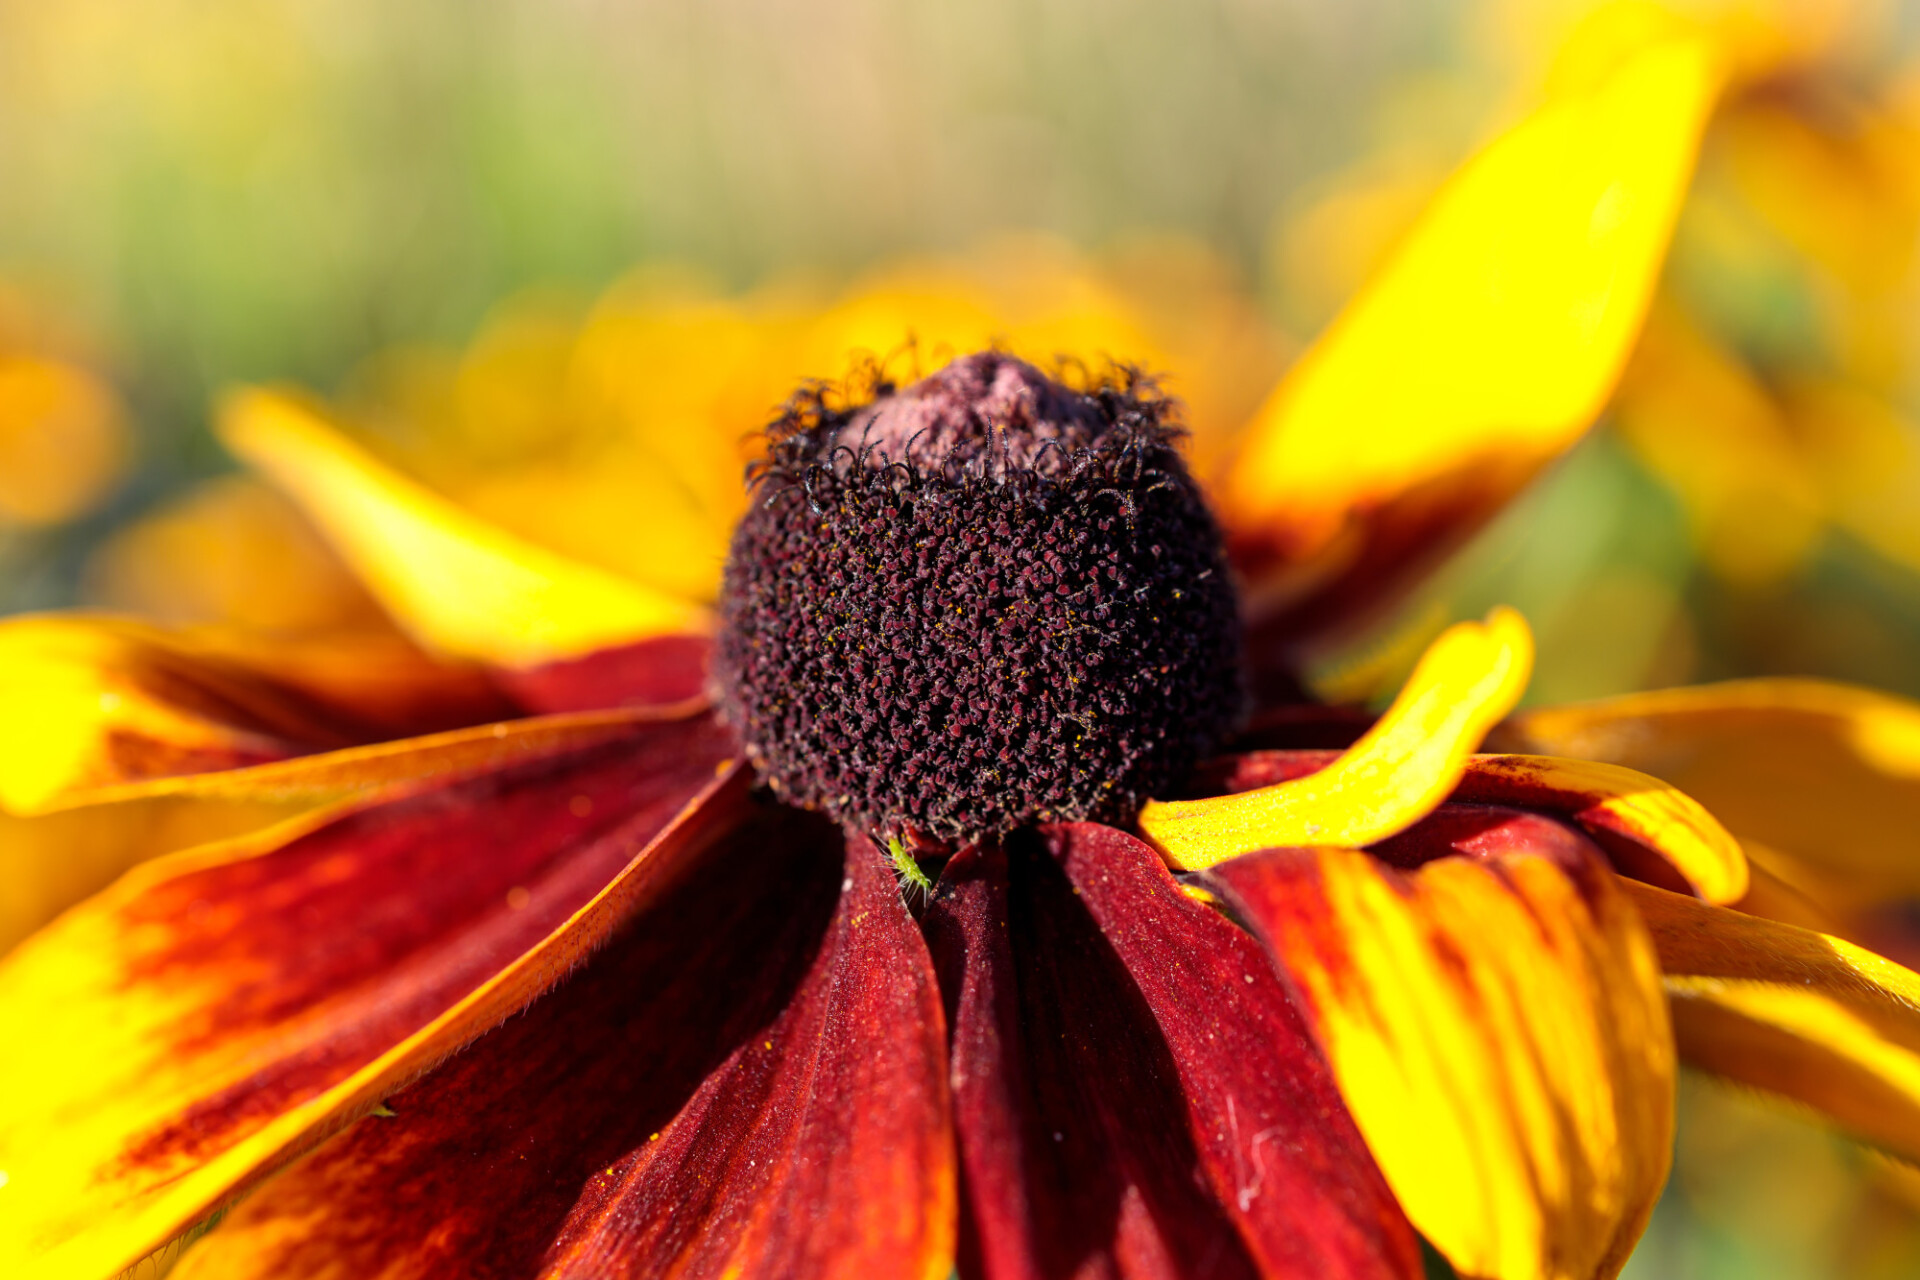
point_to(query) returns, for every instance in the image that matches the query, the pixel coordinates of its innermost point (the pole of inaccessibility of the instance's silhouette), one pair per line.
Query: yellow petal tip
(1399, 772)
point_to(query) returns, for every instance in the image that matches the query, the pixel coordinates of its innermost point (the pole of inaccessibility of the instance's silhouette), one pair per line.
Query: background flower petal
(212, 1012)
(93, 702)
(1795, 1012)
(1397, 772)
(1499, 1033)
(580, 1139)
(459, 585)
(1826, 774)
(1484, 348)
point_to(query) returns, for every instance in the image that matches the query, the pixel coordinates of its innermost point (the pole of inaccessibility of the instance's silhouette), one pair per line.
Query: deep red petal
(1145, 1101)
(1255, 1084)
(648, 673)
(580, 1139)
(825, 1148)
(1488, 832)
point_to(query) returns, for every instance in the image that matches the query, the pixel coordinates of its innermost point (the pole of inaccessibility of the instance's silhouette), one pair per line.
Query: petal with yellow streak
(459, 585)
(1795, 1012)
(1649, 830)
(54, 859)
(95, 702)
(50, 861)
(1498, 1031)
(1652, 830)
(1826, 774)
(1396, 774)
(216, 1012)
(1482, 350)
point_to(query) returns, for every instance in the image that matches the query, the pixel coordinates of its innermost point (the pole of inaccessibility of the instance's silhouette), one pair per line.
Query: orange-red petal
(1498, 1030)
(216, 1010)
(721, 1091)
(93, 702)
(1135, 1092)
(1651, 830)
(53, 860)
(1795, 1012)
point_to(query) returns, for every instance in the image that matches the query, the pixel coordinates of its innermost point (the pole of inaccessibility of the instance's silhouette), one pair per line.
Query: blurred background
(513, 238)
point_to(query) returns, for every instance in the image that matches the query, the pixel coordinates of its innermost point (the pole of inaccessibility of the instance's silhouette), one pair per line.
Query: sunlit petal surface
(1485, 347)
(1795, 1012)
(215, 1010)
(710, 1097)
(1110, 1037)
(1397, 773)
(1498, 1029)
(1648, 829)
(461, 586)
(52, 860)
(96, 702)
(1652, 830)
(1824, 773)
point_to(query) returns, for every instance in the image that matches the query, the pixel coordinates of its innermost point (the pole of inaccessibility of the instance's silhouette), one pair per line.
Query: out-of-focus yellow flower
(1782, 357)
(229, 550)
(63, 433)
(616, 433)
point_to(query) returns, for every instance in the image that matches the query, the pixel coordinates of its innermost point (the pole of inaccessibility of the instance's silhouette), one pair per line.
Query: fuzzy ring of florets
(980, 602)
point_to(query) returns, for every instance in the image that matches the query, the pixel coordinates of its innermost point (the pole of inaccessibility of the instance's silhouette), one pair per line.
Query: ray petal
(92, 702)
(219, 1009)
(1396, 774)
(718, 1092)
(1134, 1090)
(1498, 1030)
(461, 586)
(1648, 829)
(657, 671)
(1652, 830)
(54, 859)
(1795, 1012)
(1485, 347)
(1825, 773)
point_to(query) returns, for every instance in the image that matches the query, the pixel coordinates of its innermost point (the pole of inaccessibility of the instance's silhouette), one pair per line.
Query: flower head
(1350, 978)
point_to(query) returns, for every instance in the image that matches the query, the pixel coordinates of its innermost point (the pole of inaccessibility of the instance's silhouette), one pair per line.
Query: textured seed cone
(983, 601)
